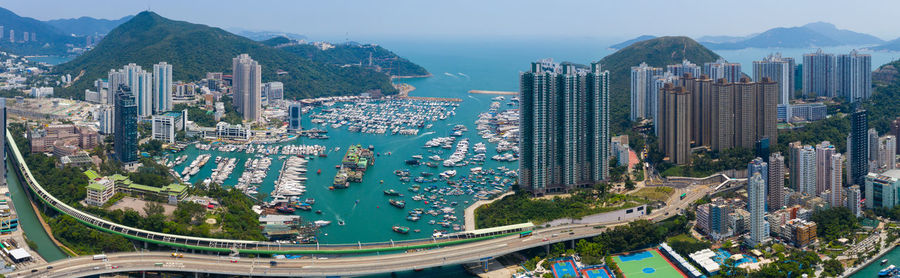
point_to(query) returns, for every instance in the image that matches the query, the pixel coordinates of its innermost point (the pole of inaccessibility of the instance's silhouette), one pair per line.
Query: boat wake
(475, 98)
(449, 74)
(463, 75)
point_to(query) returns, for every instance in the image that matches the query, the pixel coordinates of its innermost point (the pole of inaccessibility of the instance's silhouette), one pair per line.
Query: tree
(834, 223)
(833, 268)
(151, 209)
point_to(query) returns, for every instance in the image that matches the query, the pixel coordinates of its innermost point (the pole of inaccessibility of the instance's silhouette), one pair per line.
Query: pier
(484, 92)
(448, 99)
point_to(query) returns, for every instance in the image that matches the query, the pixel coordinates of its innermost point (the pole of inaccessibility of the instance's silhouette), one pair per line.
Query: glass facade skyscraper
(125, 141)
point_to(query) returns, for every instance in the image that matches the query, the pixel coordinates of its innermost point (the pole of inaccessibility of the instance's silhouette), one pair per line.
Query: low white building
(166, 125)
(99, 191)
(232, 132)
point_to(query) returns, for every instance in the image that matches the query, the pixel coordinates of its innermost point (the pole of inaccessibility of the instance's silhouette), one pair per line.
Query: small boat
(391, 192)
(305, 206)
(432, 165)
(400, 229)
(340, 222)
(412, 162)
(322, 223)
(319, 172)
(412, 218)
(418, 156)
(883, 262)
(284, 209)
(318, 211)
(397, 203)
(426, 174)
(337, 166)
(310, 201)
(886, 271)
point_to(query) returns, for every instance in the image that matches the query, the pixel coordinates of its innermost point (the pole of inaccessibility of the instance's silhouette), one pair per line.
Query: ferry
(400, 229)
(322, 223)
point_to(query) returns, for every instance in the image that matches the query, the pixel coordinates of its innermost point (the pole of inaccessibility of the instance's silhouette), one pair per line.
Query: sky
(422, 19)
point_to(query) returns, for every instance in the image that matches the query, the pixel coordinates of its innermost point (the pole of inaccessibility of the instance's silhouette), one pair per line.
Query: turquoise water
(28, 221)
(871, 270)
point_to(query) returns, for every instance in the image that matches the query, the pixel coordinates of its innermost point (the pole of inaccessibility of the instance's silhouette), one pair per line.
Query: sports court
(596, 272)
(564, 268)
(646, 263)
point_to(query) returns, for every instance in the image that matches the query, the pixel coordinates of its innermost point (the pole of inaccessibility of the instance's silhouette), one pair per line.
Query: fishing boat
(305, 206)
(284, 209)
(397, 203)
(412, 162)
(886, 271)
(418, 156)
(426, 174)
(412, 218)
(391, 192)
(401, 229)
(432, 165)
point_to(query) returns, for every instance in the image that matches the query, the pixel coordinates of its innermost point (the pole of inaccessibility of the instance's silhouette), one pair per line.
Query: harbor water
(28, 220)
(872, 269)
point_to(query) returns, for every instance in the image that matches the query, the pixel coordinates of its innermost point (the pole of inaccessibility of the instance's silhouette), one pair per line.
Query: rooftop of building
(893, 174)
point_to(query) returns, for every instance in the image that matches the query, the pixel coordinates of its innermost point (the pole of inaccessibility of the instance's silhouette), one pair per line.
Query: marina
(403, 145)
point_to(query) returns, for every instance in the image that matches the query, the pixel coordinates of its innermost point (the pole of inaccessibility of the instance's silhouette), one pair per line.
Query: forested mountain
(195, 49)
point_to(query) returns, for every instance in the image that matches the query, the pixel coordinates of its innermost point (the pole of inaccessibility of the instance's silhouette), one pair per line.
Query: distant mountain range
(893, 45)
(816, 34)
(265, 35)
(49, 39)
(195, 49)
(87, 26)
(625, 44)
(656, 52)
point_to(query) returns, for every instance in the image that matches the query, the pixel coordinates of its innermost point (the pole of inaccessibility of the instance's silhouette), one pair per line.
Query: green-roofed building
(172, 193)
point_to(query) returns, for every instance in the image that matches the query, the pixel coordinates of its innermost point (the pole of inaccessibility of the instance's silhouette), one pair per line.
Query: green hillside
(195, 49)
(657, 52)
(349, 53)
(50, 40)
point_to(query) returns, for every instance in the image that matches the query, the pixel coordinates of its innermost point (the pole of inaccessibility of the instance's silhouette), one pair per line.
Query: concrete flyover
(226, 245)
(324, 260)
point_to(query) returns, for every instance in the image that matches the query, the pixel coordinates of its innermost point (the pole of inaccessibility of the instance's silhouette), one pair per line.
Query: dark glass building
(858, 148)
(125, 141)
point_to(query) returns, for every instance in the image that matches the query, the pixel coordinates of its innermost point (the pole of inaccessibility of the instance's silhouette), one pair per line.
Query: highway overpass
(324, 260)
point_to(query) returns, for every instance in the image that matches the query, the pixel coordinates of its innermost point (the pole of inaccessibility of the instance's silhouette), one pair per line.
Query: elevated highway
(323, 260)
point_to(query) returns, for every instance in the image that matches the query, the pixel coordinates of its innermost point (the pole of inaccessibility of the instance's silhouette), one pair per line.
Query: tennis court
(564, 269)
(647, 263)
(599, 272)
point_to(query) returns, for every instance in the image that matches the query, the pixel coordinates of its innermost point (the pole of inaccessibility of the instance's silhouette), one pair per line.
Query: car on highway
(49, 267)
(177, 255)
(96, 268)
(233, 260)
(273, 263)
(545, 239)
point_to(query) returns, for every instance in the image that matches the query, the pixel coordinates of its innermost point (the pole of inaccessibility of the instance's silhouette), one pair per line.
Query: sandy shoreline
(484, 92)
